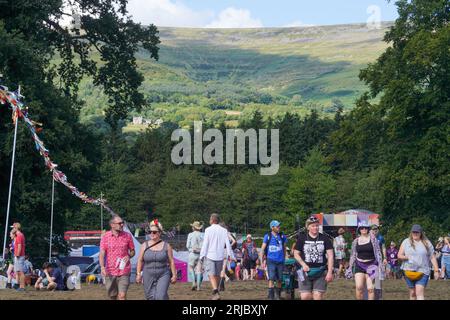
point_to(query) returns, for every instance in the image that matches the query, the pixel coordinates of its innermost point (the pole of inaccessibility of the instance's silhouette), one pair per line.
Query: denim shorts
(19, 264)
(422, 281)
(275, 270)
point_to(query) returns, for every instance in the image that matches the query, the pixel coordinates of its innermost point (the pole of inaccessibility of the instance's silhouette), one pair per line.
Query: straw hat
(197, 225)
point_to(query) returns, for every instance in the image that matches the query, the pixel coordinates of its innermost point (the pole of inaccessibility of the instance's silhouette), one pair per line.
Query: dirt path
(249, 290)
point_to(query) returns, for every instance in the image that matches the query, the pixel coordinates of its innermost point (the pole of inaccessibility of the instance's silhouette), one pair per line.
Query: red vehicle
(79, 238)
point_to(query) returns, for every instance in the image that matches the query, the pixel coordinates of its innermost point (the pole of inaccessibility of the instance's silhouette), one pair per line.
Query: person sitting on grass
(50, 278)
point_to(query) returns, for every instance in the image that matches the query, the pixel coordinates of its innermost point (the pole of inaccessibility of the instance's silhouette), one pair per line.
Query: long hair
(423, 238)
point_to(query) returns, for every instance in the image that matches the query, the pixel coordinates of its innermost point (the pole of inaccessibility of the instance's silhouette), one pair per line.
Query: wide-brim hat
(363, 224)
(197, 225)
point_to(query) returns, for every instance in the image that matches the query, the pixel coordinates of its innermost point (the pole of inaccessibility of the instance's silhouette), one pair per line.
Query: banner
(12, 98)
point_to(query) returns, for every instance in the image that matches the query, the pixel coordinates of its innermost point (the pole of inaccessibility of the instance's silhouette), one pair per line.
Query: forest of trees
(390, 154)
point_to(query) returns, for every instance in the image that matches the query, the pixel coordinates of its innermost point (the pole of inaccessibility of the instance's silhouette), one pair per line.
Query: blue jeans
(275, 270)
(422, 281)
(445, 262)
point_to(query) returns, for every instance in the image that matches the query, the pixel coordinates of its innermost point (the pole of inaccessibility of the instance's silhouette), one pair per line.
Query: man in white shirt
(215, 240)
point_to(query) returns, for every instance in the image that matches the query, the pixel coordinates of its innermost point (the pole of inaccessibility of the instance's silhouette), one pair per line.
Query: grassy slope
(318, 63)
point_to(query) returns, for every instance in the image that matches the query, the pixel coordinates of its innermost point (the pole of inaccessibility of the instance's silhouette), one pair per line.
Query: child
(238, 271)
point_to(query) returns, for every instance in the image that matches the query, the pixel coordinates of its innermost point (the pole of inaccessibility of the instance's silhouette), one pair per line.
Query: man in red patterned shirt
(118, 248)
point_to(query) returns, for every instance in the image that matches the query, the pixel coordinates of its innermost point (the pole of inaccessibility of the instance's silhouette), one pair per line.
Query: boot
(271, 294)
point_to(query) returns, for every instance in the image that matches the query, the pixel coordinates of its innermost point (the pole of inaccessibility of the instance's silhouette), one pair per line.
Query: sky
(259, 13)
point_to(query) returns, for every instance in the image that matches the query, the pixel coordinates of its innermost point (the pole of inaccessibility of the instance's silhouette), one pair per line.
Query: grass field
(248, 290)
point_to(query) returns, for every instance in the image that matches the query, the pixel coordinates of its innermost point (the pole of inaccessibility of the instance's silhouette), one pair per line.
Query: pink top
(116, 248)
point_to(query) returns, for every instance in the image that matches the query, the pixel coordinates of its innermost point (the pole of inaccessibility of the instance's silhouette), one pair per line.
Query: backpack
(281, 234)
(252, 252)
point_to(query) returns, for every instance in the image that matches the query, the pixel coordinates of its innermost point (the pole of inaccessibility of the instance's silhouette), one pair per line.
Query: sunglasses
(121, 223)
(365, 228)
(154, 232)
(313, 219)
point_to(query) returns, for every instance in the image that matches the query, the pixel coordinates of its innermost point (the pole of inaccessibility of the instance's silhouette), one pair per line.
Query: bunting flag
(13, 99)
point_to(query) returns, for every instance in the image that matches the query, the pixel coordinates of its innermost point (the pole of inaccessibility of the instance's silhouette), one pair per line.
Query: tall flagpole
(51, 220)
(101, 210)
(10, 183)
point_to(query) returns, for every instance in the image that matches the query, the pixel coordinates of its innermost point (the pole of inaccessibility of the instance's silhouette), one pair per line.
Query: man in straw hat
(194, 245)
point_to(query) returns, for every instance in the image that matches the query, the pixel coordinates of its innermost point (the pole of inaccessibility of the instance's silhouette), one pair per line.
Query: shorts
(116, 284)
(275, 270)
(193, 259)
(422, 281)
(310, 285)
(358, 269)
(213, 267)
(249, 264)
(19, 264)
(45, 282)
(393, 269)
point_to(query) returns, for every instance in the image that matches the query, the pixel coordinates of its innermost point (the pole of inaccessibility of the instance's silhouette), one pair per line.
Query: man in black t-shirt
(314, 252)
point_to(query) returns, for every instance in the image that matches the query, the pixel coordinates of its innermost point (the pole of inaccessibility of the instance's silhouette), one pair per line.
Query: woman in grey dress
(156, 261)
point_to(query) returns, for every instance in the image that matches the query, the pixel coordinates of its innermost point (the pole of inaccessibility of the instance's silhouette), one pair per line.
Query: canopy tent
(348, 218)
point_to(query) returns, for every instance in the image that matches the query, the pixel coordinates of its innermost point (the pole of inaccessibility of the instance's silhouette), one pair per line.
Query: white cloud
(167, 13)
(235, 18)
(297, 23)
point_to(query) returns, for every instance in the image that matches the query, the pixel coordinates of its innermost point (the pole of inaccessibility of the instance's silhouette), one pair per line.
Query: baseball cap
(416, 228)
(274, 223)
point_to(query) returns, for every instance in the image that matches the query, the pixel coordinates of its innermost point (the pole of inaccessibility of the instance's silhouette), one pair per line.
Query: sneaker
(193, 288)
(216, 296)
(9, 286)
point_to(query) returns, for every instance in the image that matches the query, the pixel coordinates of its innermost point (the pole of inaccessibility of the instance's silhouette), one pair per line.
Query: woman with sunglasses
(417, 252)
(157, 263)
(365, 262)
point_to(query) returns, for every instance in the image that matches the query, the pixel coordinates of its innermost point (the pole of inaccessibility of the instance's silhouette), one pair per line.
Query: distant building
(137, 120)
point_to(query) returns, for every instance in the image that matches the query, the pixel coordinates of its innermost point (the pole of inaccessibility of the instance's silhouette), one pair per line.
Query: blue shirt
(275, 250)
(380, 239)
(56, 273)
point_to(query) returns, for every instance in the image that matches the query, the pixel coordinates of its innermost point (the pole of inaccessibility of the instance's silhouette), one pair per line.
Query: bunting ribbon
(13, 99)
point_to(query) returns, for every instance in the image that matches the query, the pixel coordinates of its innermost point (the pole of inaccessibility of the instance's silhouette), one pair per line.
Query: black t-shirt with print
(314, 250)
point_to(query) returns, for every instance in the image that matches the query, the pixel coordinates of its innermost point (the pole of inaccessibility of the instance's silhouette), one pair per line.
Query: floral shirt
(116, 248)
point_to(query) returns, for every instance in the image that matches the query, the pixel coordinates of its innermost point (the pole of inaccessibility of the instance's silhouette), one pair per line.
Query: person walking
(19, 256)
(417, 255)
(194, 245)
(157, 265)
(365, 262)
(10, 260)
(116, 251)
(213, 254)
(314, 252)
(273, 252)
(249, 256)
(445, 259)
(393, 267)
(340, 246)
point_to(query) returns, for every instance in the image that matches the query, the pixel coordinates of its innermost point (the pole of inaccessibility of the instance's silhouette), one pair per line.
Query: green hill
(244, 69)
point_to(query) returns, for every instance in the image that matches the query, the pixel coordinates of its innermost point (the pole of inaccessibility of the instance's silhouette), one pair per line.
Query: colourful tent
(348, 218)
(182, 270)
